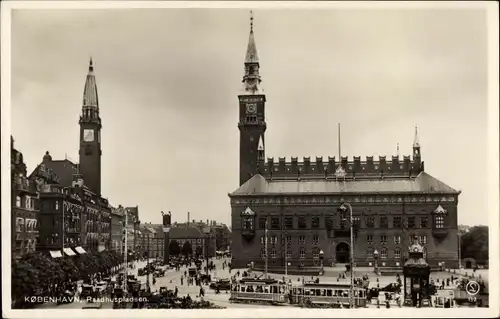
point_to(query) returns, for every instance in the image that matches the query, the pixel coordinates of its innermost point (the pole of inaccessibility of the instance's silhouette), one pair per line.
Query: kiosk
(416, 273)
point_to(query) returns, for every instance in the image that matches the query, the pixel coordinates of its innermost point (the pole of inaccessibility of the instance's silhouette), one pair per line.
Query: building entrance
(342, 253)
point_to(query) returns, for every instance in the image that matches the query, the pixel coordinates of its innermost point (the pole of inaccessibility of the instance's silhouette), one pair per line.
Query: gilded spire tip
(251, 21)
(91, 65)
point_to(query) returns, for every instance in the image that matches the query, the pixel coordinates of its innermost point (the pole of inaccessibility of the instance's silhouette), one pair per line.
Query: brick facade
(300, 200)
(441, 244)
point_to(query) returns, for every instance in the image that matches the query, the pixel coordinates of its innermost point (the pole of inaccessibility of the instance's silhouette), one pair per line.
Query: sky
(168, 81)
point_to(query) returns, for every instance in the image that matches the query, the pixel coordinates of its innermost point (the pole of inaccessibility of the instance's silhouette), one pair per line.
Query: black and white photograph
(307, 159)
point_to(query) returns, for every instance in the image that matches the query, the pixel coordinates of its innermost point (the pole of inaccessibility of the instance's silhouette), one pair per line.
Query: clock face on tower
(251, 108)
(88, 135)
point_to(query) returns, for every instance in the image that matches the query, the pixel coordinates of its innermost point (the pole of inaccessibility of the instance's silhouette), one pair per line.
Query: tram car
(259, 291)
(327, 294)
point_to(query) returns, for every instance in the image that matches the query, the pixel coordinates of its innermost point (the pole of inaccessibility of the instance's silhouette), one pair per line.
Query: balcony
(22, 184)
(248, 234)
(440, 233)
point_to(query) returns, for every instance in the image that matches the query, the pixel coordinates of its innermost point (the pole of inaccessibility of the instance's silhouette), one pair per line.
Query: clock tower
(252, 124)
(90, 135)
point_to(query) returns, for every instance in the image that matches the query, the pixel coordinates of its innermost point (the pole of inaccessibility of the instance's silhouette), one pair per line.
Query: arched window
(383, 253)
(18, 201)
(302, 253)
(263, 253)
(315, 253)
(397, 253)
(273, 253)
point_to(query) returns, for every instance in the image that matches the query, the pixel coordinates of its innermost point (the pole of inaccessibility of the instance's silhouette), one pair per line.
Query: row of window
(369, 239)
(409, 222)
(384, 253)
(301, 240)
(27, 224)
(289, 253)
(26, 246)
(397, 239)
(26, 202)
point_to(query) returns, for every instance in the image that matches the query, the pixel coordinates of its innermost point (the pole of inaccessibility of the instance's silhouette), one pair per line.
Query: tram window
(329, 292)
(318, 292)
(324, 292)
(355, 293)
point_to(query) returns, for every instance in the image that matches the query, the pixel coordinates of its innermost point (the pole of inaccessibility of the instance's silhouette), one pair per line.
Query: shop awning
(80, 250)
(55, 253)
(69, 251)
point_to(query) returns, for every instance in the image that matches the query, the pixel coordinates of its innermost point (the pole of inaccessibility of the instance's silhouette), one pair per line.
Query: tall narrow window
(302, 253)
(384, 222)
(383, 253)
(439, 221)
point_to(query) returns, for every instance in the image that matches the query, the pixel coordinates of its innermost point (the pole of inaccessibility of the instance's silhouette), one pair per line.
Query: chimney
(188, 218)
(208, 222)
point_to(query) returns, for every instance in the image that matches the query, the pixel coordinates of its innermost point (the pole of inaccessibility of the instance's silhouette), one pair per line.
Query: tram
(327, 294)
(260, 291)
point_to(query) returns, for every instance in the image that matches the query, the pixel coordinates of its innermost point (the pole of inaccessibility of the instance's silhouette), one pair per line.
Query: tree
(174, 248)
(474, 244)
(187, 249)
(25, 280)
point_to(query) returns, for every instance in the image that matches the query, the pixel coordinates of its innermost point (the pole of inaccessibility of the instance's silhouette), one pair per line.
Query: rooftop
(423, 184)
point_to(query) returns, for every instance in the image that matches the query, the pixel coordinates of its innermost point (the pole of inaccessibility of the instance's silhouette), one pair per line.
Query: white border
(276, 312)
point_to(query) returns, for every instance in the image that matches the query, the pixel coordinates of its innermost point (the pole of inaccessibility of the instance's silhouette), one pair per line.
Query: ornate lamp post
(375, 256)
(344, 207)
(321, 257)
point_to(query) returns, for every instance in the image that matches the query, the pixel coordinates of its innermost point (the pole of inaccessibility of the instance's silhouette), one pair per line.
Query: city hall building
(395, 202)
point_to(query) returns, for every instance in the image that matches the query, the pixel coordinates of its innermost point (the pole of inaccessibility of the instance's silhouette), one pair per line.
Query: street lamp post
(344, 207)
(167, 222)
(321, 257)
(206, 232)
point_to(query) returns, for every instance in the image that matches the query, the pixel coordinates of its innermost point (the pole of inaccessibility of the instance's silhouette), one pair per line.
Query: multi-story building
(117, 227)
(152, 240)
(394, 202)
(194, 235)
(73, 207)
(24, 215)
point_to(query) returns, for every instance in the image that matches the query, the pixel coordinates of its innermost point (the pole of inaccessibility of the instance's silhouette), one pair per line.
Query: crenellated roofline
(355, 169)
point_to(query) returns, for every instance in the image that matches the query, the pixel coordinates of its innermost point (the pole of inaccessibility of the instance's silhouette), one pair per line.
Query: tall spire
(416, 142)
(90, 98)
(251, 56)
(251, 79)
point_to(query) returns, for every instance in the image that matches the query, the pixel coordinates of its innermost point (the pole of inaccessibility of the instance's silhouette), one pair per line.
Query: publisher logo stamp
(472, 288)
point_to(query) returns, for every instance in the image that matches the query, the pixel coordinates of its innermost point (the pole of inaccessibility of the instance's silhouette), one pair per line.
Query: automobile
(222, 284)
(159, 273)
(192, 272)
(87, 291)
(102, 288)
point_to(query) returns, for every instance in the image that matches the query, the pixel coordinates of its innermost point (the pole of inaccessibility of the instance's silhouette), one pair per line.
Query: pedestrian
(182, 281)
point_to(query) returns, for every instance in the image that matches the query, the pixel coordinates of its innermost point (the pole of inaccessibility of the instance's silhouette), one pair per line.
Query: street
(172, 279)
